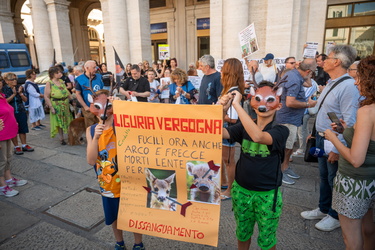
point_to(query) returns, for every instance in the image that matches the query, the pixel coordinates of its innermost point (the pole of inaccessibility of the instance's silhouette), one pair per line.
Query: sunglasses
(13, 79)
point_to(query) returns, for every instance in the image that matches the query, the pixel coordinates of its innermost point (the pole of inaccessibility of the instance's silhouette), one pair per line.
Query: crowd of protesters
(347, 170)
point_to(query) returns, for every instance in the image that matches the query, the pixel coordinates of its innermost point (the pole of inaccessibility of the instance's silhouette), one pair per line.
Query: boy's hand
(236, 95)
(98, 131)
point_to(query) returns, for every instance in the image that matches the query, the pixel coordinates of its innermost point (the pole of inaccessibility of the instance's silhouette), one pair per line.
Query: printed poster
(169, 158)
(329, 47)
(248, 40)
(164, 52)
(310, 50)
(165, 82)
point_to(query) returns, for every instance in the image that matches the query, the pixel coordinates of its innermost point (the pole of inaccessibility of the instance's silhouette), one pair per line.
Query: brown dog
(76, 130)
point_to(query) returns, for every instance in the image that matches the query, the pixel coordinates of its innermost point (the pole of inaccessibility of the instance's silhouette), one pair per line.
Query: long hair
(366, 78)
(232, 75)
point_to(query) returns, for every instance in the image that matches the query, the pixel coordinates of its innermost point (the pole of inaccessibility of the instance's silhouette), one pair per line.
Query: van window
(4, 63)
(19, 59)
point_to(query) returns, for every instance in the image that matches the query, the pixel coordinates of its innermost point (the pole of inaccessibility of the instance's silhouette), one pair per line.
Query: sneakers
(42, 126)
(289, 172)
(16, 182)
(27, 148)
(119, 247)
(313, 214)
(298, 153)
(139, 247)
(18, 151)
(327, 224)
(8, 192)
(36, 128)
(288, 180)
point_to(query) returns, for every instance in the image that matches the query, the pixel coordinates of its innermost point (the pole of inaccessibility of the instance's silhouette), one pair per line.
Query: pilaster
(60, 29)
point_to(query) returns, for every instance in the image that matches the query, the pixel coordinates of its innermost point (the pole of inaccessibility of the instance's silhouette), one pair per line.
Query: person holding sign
(255, 191)
(102, 154)
(181, 90)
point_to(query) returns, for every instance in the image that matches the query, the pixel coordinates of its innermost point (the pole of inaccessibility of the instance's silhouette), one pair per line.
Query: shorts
(110, 206)
(352, 198)
(256, 206)
(228, 143)
(21, 119)
(292, 135)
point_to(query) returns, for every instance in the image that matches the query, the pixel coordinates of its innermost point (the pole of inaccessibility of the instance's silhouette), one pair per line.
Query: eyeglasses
(291, 62)
(331, 58)
(351, 69)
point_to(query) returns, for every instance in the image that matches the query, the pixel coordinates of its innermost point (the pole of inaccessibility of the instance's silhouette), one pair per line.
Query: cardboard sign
(169, 159)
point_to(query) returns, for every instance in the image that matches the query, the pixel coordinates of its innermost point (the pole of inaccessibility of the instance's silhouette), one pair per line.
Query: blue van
(15, 58)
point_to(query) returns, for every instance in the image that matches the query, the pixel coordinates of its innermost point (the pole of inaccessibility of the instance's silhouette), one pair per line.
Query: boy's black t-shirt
(257, 168)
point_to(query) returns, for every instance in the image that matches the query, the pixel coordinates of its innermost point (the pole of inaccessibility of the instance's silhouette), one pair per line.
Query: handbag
(311, 142)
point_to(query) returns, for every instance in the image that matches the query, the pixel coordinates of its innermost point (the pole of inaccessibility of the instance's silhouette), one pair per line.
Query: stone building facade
(282, 28)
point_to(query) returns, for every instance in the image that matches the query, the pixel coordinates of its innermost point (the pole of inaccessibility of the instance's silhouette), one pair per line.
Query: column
(7, 33)
(216, 29)
(316, 22)
(180, 35)
(85, 43)
(118, 35)
(77, 35)
(138, 12)
(18, 29)
(60, 30)
(235, 19)
(42, 34)
(109, 54)
(279, 27)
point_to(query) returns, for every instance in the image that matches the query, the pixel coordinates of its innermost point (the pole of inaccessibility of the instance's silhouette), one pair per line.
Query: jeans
(327, 172)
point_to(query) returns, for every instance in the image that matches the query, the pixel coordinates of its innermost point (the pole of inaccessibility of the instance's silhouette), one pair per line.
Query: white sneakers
(327, 222)
(8, 192)
(16, 182)
(313, 214)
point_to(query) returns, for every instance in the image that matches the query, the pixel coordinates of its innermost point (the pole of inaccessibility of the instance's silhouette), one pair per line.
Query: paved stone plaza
(60, 209)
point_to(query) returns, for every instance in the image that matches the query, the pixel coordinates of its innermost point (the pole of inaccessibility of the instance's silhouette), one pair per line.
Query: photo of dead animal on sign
(163, 194)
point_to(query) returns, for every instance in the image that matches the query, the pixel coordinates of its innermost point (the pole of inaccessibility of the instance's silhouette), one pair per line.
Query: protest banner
(164, 52)
(169, 159)
(248, 40)
(310, 50)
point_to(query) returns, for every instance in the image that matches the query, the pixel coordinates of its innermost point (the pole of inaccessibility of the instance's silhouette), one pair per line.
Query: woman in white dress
(36, 111)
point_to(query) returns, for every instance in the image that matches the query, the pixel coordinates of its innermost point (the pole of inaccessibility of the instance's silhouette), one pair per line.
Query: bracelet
(307, 104)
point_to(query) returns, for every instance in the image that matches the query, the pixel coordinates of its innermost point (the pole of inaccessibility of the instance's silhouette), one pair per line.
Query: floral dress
(60, 102)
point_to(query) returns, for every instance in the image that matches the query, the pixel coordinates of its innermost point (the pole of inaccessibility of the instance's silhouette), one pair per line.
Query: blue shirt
(82, 84)
(343, 100)
(294, 88)
(187, 87)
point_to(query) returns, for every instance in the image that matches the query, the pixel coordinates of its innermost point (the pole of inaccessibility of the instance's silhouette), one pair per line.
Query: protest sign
(248, 40)
(279, 62)
(329, 47)
(169, 160)
(310, 50)
(164, 52)
(165, 82)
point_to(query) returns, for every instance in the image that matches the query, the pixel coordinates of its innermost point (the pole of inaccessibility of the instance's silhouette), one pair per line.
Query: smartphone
(333, 117)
